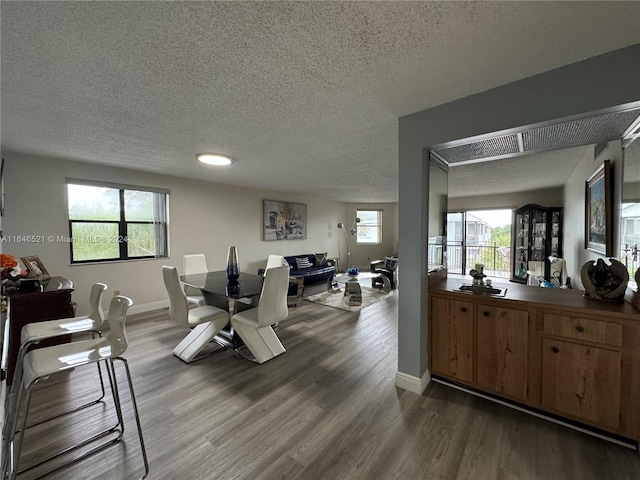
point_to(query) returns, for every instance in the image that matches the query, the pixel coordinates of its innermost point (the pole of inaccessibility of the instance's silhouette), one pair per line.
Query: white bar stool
(44, 362)
(34, 333)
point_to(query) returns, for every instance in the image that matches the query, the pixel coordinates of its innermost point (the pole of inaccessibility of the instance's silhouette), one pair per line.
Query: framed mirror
(438, 200)
(630, 210)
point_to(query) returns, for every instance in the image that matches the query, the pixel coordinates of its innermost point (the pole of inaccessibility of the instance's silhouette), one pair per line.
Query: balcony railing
(630, 257)
(495, 258)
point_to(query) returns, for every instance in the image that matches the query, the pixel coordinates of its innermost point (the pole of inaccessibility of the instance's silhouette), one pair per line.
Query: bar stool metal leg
(9, 405)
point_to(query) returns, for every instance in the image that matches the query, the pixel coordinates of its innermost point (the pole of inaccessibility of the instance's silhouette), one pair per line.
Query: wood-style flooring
(326, 409)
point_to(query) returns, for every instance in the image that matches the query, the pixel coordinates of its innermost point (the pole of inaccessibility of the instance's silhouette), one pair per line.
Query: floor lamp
(346, 237)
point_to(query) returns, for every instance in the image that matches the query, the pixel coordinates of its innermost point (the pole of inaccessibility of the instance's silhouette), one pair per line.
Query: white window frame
(364, 226)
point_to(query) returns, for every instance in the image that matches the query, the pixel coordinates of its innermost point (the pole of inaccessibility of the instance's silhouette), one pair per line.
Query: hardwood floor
(326, 409)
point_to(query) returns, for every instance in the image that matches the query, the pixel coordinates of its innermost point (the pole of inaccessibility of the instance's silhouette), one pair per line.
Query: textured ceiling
(304, 96)
(550, 169)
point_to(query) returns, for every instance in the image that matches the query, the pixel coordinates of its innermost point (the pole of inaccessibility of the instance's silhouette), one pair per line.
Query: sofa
(311, 267)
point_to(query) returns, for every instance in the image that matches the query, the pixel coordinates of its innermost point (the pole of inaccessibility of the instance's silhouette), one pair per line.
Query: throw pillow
(321, 259)
(390, 262)
(303, 262)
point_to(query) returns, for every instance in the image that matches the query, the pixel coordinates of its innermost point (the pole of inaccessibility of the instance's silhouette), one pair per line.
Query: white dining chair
(192, 264)
(205, 321)
(296, 284)
(255, 325)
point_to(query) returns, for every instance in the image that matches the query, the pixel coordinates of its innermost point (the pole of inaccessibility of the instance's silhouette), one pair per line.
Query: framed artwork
(35, 267)
(284, 220)
(598, 235)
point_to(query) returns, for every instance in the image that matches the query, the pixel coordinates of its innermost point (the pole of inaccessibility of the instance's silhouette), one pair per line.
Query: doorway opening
(480, 236)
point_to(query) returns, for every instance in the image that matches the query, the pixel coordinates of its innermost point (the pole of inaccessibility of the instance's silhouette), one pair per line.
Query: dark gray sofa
(321, 267)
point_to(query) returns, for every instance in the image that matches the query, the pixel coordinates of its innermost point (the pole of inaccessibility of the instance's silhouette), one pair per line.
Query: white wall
(362, 255)
(574, 252)
(548, 197)
(204, 217)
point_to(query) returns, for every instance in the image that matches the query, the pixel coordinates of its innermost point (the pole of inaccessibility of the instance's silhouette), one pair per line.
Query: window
(369, 229)
(110, 222)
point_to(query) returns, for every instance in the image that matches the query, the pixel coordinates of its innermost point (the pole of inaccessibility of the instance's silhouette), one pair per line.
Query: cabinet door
(538, 236)
(451, 343)
(503, 350)
(582, 381)
(555, 235)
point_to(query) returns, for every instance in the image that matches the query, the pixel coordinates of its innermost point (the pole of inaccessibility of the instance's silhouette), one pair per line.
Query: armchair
(387, 273)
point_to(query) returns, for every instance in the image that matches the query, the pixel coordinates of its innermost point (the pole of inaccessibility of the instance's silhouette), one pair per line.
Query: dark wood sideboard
(54, 301)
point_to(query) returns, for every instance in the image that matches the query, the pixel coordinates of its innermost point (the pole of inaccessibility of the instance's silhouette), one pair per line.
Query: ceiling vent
(583, 131)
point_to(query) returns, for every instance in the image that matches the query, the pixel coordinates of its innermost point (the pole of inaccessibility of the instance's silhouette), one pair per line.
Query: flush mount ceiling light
(214, 159)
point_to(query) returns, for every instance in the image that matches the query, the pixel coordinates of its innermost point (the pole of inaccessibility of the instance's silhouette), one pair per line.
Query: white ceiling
(549, 169)
(304, 96)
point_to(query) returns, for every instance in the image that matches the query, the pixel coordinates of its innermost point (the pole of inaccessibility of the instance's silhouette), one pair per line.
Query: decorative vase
(233, 272)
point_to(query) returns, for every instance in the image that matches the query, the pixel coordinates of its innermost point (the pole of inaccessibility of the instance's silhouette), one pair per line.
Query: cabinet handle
(580, 328)
(486, 314)
(555, 349)
(464, 309)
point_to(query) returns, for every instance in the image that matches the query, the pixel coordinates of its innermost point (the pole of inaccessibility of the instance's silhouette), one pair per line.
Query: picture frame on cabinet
(598, 235)
(35, 267)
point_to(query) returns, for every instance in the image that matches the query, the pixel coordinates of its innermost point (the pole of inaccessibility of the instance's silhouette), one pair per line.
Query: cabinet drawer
(583, 329)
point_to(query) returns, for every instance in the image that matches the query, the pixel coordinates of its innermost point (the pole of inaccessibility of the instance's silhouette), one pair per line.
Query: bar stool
(47, 361)
(34, 333)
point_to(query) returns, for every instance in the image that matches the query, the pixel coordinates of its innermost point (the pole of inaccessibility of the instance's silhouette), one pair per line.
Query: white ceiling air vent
(489, 148)
(599, 127)
(579, 132)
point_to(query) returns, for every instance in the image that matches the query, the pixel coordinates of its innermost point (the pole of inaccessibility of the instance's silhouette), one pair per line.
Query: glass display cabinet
(537, 235)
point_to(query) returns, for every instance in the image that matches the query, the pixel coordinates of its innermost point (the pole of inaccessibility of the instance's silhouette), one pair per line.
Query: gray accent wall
(597, 83)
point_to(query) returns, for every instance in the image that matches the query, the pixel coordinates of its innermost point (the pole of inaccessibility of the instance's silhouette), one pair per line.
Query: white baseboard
(411, 383)
(148, 307)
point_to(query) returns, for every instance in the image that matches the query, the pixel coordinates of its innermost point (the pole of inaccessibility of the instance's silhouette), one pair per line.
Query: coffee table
(351, 286)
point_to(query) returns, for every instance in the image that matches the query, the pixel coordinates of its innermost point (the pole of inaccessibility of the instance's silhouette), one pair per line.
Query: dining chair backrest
(117, 317)
(194, 263)
(178, 304)
(95, 302)
(275, 261)
(272, 307)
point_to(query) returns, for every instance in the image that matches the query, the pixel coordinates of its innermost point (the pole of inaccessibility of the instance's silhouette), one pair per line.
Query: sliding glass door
(482, 236)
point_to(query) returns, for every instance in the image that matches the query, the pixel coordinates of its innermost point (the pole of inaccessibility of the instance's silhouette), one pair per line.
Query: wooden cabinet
(498, 352)
(549, 349)
(582, 368)
(54, 302)
(503, 338)
(452, 328)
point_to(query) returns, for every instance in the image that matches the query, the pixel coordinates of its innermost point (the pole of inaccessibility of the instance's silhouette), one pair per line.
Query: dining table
(230, 295)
